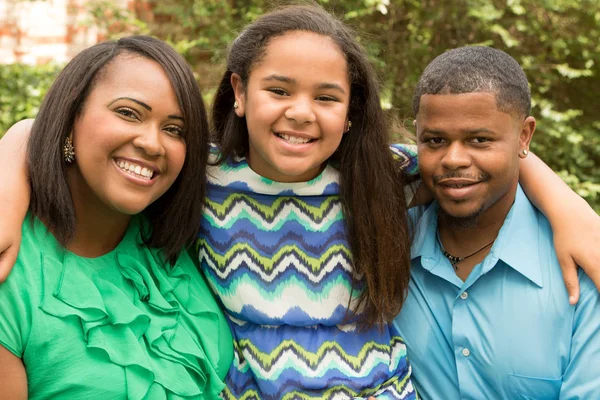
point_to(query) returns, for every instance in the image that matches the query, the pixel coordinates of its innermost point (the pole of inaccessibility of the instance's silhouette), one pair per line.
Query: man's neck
(474, 241)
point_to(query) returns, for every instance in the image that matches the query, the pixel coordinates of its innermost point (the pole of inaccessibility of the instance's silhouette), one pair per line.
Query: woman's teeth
(136, 170)
(293, 139)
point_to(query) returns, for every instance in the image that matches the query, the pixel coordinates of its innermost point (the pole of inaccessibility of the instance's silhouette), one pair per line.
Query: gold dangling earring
(69, 151)
(348, 125)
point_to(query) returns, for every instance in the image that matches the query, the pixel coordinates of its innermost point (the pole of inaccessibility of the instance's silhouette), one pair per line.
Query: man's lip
(457, 182)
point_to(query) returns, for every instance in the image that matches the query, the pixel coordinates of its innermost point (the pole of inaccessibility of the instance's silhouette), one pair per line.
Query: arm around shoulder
(14, 192)
(575, 224)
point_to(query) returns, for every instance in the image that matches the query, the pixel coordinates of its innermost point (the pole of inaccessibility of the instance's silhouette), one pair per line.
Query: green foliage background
(556, 41)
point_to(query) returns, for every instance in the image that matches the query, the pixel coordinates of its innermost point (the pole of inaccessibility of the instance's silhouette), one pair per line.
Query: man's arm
(14, 193)
(580, 380)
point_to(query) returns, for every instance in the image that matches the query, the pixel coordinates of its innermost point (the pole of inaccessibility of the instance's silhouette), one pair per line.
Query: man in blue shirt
(487, 315)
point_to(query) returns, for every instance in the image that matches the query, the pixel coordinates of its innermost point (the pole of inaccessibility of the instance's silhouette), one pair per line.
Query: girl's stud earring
(348, 125)
(524, 152)
(235, 105)
(68, 151)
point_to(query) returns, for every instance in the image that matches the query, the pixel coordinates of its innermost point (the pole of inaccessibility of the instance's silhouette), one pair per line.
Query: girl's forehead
(303, 56)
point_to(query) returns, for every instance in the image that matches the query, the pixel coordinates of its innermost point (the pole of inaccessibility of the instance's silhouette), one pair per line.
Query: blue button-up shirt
(508, 332)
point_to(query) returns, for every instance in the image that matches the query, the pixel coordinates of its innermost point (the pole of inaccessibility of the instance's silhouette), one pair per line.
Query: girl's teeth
(294, 139)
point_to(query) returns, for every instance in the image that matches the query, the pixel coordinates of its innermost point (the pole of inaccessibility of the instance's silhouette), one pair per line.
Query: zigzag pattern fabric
(277, 257)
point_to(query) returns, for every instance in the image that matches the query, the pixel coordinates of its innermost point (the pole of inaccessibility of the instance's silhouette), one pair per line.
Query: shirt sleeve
(15, 310)
(406, 156)
(582, 376)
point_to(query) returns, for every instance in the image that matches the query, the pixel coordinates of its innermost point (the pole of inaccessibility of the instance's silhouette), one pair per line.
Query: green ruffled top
(119, 326)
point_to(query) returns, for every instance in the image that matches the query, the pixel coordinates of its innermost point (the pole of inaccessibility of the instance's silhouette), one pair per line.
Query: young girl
(101, 304)
(304, 235)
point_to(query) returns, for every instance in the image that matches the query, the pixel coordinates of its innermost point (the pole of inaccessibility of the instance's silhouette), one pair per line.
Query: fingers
(570, 277)
(7, 260)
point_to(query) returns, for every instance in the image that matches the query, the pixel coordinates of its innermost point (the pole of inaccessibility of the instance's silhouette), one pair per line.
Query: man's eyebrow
(477, 131)
(141, 103)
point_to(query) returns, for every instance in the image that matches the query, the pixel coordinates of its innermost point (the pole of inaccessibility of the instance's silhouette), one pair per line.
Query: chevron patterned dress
(277, 257)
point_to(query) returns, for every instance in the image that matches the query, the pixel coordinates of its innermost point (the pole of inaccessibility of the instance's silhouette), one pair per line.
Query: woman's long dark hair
(372, 184)
(175, 216)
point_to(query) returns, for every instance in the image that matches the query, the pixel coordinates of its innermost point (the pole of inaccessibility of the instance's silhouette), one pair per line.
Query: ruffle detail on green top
(162, 359)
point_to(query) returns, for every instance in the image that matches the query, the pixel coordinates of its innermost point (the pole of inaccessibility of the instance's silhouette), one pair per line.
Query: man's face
(469, 153)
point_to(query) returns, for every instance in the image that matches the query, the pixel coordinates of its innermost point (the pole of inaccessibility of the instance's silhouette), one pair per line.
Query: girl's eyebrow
(292, 81)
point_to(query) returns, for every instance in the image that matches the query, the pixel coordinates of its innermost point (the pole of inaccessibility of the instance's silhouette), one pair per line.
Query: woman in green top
(112, 308)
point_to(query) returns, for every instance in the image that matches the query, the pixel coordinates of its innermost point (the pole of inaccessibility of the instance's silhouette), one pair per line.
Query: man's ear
(527, 130)
(239, 93)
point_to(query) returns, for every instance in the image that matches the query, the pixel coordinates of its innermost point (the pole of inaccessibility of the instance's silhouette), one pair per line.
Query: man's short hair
(476, 69)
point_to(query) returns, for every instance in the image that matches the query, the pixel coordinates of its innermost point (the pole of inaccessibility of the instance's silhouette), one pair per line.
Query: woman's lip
(135, 179)
(141, 163)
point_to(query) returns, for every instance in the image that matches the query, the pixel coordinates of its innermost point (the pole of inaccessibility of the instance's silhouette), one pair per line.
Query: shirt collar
(516, 245)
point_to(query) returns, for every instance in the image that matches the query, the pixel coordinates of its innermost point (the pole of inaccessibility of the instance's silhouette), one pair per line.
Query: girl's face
(296, 105)
(128, 144)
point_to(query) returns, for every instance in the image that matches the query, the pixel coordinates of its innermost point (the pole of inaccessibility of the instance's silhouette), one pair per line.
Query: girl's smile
(295, 104)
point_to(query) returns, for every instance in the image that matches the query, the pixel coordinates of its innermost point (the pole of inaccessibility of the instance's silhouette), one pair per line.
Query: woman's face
(128, 144)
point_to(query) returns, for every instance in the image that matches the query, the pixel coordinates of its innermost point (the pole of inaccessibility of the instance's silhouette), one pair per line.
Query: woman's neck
(98, 228)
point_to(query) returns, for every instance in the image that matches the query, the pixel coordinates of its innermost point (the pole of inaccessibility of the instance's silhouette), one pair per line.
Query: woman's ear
(239, 93)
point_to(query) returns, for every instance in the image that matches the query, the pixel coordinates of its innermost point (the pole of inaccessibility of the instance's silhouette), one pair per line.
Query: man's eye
(481, 140)
(435, 140)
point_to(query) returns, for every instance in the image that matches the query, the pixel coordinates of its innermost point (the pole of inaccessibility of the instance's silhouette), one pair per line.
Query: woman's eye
(126, 112)
(174, 130)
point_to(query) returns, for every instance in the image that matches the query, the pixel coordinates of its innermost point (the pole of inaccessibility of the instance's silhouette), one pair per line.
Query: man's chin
(462, 216)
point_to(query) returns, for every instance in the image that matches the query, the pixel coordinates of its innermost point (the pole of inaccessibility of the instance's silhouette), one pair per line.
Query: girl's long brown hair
(372, 184)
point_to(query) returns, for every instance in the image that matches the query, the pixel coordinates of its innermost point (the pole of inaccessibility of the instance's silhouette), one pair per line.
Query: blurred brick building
(39, 31)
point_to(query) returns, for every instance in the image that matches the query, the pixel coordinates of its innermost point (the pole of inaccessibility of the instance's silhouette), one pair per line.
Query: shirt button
(466, 352)
(464, 295)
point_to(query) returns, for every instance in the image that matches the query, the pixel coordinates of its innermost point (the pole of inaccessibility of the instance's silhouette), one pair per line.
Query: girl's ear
(238, 90)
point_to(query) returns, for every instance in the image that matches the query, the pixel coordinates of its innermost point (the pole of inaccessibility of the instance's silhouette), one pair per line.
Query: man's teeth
(293, 139)
(136, 170)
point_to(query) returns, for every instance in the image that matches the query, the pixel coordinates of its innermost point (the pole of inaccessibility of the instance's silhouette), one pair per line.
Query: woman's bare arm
(13, 378)
(14, 193)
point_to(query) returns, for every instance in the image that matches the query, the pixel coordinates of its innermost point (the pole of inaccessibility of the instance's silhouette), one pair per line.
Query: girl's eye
(174, 130)
(126, 112)
(327, 98)
(278, 91)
